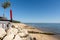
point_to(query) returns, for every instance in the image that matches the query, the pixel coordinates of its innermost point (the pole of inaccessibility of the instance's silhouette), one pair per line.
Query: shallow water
(47, 27)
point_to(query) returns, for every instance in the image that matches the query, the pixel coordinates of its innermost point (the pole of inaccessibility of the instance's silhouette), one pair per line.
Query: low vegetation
(41, 33)
(48, 33)
(14, 21)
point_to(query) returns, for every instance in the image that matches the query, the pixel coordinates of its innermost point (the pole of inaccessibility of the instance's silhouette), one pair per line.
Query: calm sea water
(47, 27)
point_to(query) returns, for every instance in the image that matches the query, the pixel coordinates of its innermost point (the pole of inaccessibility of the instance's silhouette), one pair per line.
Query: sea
(46, 27)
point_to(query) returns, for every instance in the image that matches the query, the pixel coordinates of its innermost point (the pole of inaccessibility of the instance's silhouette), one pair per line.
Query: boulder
(9, 37)
(12, 31)
(24, 31)
(2, 32)
(22, 34)
(17, 37)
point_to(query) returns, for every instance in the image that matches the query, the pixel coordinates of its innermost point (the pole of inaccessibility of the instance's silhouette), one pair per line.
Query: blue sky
(34, 11)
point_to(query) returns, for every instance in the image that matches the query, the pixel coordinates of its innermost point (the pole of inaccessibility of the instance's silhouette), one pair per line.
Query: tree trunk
(4, 13)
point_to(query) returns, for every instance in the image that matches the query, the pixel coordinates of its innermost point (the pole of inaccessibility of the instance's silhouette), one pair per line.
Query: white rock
(12, 31)
(24, 31)
(17, 37)
(9, 37)
(2, 32)
(21, 34)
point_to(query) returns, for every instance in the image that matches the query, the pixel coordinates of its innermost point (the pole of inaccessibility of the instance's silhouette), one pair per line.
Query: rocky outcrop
(2, 32)
(9, 37)
(14, 33)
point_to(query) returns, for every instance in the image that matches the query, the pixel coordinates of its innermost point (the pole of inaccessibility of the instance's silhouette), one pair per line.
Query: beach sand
(38, 36)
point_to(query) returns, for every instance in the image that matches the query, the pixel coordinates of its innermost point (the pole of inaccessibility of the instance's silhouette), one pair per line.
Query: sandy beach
(20, 31)
(37, 35)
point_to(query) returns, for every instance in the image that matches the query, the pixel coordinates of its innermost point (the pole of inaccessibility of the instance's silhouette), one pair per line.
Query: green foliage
(16, 21)
(41, 33)
(48, 33)
(6, 5)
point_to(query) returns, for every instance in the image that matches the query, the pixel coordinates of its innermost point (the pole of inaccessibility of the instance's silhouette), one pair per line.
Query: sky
(34, 11)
